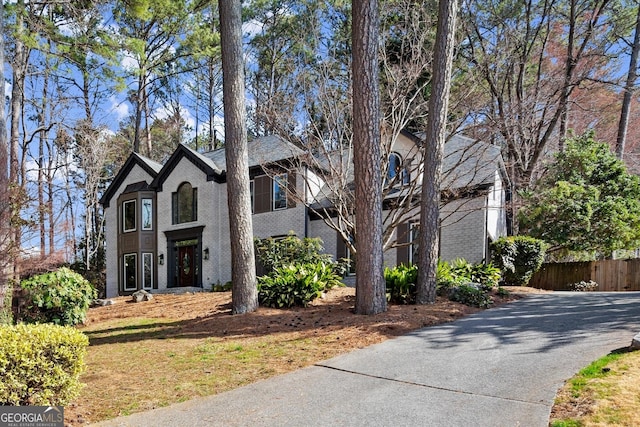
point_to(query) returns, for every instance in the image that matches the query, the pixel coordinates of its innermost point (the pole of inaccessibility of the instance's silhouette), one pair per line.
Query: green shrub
(61, 297)
(471, 294)
(583, 286)
(518, 257)
(503, 292)
(401, 280)
(485, 274)
(40, 364)
(401, 283)
(275, 253)
(296, 284)
(219, 287)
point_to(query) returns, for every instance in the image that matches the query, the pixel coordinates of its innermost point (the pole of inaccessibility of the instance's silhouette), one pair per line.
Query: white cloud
(128, 61)
(119, 108)
(252, 28)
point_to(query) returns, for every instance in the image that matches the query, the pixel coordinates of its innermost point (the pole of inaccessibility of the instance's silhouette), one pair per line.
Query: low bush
(296, 284)
(445, 278)
(40, 364)
(518, 257)
(274, 253)
(401, 283)
(485, 274)
(471, 294)
(61, 297)
(219, 287)
(583, 286)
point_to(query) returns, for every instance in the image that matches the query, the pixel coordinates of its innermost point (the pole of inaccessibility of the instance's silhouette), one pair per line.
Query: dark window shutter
(402, 236)
(262, 187)
(341, 247)
(194, 208)
(291, 186)
(174, 208)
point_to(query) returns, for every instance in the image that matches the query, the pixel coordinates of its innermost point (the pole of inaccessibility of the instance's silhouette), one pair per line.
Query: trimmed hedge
(518, 257)
(40, 364)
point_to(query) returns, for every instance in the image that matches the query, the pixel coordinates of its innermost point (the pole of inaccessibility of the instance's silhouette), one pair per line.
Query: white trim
(142, 216)
(150, 256)
(124, 271)
(277, 180)
(124, 216)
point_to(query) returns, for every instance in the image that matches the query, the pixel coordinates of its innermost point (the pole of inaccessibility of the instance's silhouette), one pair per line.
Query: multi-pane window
(280, 191)
(147, 270)
(129, 216)
(185, 204)
(130, 278)
(147, 214)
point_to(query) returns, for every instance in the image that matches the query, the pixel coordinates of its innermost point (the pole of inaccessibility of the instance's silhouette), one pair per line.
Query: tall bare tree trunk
(5, 213)
(370, 285)
(434, 147)
(628, 91)
(244, 297)
(16, 171)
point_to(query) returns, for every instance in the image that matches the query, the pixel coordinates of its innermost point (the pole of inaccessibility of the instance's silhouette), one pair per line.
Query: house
(167, 225)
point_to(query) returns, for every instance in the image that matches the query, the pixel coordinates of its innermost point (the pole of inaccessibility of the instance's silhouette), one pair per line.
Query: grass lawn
(605, 393)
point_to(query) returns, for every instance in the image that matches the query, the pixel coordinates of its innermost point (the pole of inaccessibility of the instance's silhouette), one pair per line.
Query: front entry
(184, 247)
(186, 266)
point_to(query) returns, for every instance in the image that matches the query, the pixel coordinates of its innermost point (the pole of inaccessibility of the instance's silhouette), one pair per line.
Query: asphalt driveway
(501, 367)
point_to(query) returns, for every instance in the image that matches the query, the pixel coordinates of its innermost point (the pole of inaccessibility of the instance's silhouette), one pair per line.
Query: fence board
(611, 275)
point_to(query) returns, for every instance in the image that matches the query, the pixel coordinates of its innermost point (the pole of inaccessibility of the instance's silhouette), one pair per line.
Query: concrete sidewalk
(501, 367)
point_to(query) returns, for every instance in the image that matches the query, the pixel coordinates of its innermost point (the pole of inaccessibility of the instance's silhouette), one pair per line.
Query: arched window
(185, 204)
(397, 173)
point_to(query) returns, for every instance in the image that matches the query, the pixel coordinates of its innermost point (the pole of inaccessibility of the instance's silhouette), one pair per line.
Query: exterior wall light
(161, 259)
(206, 253)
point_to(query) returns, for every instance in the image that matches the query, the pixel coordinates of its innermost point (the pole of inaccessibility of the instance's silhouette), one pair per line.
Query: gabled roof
(264, 150)
(205, 164)
(149, 166)
(469, 163)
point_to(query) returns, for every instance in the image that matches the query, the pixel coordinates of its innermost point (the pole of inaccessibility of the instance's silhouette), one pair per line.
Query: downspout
(485, 244)
(306, 208)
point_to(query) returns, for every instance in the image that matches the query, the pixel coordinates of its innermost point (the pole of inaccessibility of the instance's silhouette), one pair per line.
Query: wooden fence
(611, 275)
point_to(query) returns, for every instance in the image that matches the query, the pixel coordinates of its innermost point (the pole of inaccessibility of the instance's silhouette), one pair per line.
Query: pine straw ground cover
(178, 347)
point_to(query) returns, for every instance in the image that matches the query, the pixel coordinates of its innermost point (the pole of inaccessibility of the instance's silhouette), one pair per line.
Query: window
(130, 272)
(414, 230)
(351, 271)
(185, 204)
(129, 216)
(147, 270)
(397, 173)
(147, 214)
(280, 191)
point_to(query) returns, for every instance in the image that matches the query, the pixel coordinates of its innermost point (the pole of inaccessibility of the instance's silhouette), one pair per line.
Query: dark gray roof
(148, 165)
(263, 150)
(469, 162)
(152, 164)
